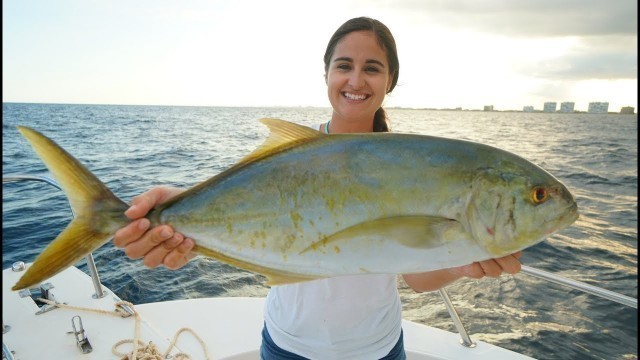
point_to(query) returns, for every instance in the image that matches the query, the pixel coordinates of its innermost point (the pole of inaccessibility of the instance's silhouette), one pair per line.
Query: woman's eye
(372, 69)
(344, 67)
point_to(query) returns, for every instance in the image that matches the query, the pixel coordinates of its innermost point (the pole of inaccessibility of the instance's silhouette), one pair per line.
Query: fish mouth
(574, 214)
(571, 216)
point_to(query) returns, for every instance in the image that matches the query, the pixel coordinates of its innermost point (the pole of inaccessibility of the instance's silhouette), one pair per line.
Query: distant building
(527, 109)
(488, 108)
(567, 107)
(627, 110)
(550, 107)
(598, 107)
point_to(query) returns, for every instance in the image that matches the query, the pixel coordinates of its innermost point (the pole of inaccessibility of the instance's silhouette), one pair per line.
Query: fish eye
(539, 195)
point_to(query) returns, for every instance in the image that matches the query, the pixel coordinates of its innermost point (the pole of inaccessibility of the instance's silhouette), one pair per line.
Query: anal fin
(274, 276)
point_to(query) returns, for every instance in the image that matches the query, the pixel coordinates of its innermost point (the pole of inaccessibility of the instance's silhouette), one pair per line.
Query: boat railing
(465, 338)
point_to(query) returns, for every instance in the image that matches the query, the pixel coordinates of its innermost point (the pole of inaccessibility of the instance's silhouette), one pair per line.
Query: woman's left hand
(434, 280)
(509, 264)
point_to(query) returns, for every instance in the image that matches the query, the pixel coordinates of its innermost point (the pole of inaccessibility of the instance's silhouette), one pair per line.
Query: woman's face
(358, 76)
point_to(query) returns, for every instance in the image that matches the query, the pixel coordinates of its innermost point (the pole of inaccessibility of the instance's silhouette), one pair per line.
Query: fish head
(512, 209)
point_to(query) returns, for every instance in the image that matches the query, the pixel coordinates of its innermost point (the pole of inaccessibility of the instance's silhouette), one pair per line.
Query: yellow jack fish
(307, 205)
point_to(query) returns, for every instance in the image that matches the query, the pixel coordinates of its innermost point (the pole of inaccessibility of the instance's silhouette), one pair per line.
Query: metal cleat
(81, 339)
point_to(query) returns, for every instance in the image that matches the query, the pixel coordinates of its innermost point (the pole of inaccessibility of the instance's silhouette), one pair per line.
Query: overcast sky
(453, 53)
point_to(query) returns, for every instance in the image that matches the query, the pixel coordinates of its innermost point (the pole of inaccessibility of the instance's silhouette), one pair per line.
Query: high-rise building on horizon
(527, 109)
(598, 107)
(627, 110)
(550, 106)
(567, 107)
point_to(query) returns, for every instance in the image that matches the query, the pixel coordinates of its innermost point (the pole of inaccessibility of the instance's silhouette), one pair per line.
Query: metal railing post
(465, 340)
(6, 353)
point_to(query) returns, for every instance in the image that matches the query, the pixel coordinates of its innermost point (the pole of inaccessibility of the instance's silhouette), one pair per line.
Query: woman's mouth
(355, 97)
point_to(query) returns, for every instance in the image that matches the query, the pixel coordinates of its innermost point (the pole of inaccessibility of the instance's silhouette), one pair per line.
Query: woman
(349, 317)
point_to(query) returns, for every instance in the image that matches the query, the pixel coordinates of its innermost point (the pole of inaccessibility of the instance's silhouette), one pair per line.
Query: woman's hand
(509, 264)
(434, 280)
(159, 245)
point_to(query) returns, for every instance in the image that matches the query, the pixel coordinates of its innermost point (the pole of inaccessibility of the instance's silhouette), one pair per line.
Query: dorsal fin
(282, 133)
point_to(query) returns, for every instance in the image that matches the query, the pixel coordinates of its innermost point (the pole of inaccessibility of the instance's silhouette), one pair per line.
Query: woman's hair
(386, 42)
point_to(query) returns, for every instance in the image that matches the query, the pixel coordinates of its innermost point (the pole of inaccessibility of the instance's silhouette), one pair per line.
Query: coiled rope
(141, 351)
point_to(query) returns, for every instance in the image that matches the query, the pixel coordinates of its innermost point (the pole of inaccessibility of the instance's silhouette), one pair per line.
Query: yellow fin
(285, 279)
(284, 134)
(412, 231)
(98, 212)
(80, 185)
(74, 243)
(274, 276)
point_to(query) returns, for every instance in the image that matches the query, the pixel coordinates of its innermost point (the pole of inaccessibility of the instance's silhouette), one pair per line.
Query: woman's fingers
(507, 264)
(130, 233)
(180, 256)
(510, 263)
(149, 241)
(157, 254)
(493, 267)
(143, 203)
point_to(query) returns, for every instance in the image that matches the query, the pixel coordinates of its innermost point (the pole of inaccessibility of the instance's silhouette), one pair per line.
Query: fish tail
(98, 213)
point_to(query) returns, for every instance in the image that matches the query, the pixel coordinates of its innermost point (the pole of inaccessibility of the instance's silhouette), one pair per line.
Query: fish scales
(297, 197)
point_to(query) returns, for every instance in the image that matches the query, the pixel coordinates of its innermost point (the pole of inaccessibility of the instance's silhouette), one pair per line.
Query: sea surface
(133, 148)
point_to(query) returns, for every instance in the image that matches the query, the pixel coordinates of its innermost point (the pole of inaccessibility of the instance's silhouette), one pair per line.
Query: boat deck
(230, 327)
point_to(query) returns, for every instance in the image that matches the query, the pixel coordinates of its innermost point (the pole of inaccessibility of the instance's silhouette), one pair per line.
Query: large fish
(307, 205)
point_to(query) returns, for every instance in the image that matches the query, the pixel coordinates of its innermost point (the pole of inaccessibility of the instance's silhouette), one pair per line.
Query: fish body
(307, 205)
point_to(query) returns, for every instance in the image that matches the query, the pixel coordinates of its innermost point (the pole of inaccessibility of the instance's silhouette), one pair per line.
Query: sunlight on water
(132, 148)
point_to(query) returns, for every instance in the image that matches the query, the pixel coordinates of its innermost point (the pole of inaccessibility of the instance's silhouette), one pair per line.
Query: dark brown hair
(386, 42)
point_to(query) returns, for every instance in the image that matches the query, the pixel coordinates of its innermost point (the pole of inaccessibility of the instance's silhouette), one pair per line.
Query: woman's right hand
(160, 245)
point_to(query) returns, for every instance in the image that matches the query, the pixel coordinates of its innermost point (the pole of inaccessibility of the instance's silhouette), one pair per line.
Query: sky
(453, 53)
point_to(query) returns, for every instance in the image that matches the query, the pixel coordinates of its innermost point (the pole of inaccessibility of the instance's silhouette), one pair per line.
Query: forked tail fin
(98, 212)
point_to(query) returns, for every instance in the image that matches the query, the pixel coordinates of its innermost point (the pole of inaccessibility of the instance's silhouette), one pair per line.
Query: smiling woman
(358, 77)
(340, 317)
(361, 66)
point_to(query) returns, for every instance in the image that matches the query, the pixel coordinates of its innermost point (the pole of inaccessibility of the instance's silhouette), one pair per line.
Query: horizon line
(321, 107)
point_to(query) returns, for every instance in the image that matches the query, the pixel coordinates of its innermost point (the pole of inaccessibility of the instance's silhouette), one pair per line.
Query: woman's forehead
(360, 45)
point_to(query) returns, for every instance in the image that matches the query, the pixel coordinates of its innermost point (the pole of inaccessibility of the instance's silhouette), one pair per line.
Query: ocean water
(132, 148)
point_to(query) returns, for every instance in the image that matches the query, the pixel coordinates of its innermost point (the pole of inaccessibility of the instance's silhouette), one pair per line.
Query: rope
(145, 351)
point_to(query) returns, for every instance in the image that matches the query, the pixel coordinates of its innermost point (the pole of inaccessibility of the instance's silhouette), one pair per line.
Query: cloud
(534, 18)
(597, 57)
(577, 66)
(601, 35)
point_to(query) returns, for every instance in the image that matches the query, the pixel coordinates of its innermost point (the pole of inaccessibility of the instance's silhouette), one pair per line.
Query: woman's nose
(356, 80)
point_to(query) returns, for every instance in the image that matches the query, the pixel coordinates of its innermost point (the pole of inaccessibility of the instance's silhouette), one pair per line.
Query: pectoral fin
(412, 231)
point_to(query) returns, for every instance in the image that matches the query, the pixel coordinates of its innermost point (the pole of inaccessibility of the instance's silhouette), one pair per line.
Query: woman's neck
(339, 125)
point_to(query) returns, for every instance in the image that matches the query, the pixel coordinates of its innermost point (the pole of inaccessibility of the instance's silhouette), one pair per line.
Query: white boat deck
(230, 327)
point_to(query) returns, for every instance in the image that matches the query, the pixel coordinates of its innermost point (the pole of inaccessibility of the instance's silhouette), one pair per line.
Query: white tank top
(347, 317)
